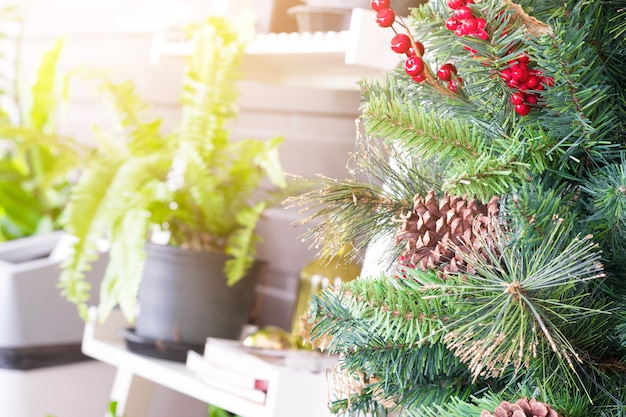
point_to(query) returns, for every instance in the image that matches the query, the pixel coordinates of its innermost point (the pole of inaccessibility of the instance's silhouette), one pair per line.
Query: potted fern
(201, 191)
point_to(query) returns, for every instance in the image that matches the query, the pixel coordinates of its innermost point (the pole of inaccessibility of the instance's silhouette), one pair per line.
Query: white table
(291, 392)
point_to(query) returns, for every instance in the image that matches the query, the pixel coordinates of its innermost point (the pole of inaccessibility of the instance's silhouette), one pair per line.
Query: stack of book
(250, 373)
(225, 365)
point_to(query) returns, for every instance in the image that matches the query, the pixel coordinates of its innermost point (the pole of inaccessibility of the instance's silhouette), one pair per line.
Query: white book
(232, 355)
(253, 395)
(222, 374)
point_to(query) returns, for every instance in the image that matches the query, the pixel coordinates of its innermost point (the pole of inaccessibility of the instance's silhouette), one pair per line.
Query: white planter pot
(38, 327)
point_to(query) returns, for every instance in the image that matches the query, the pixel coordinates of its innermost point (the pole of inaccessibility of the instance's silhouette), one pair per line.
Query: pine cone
(522, 408)
(432, 226)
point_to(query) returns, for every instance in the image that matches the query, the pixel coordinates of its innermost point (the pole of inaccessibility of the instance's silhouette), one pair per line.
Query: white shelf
(332, 60)
(290, 391)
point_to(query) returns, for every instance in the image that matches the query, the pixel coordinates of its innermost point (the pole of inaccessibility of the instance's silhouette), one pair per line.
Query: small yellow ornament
(271, 337)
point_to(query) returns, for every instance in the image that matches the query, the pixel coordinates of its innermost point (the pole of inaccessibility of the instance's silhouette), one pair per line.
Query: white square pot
(37, 324)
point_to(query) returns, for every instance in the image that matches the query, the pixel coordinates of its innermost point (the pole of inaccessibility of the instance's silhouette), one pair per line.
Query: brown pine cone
(522, 408)
(435, 226)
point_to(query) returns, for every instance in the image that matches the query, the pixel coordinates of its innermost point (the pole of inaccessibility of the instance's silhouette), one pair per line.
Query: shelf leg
(132, 394)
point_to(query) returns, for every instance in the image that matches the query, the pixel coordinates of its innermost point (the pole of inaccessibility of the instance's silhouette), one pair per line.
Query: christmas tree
(490, 182)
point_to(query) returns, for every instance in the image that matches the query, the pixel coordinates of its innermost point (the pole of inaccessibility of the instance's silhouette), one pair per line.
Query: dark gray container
(184, 297)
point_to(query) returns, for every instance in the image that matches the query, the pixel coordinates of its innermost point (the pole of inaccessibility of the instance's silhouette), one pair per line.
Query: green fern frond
(38, 164)
(268, 160)
(141, 137)
(79, 222)
(103, 196)
(120, 284)
(209, 84)
(242, 243)
(123, 98)
(45, 91)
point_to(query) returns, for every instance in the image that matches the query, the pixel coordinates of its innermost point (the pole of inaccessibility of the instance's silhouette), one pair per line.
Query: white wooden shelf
(291, 392)
(331, 60)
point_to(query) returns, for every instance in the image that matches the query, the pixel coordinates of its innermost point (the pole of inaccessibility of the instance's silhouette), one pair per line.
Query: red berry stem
(405, 43)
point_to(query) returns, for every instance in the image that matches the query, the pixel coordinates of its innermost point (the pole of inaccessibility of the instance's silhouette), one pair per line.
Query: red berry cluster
(525, 82)
(463, 22)
(401, 42)
(447, 73)
(520, 78)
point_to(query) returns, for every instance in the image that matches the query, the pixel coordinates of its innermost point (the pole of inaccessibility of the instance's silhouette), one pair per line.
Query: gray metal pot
(184, 297)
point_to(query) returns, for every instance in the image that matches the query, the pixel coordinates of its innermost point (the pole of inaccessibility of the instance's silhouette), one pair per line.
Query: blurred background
(299, 87)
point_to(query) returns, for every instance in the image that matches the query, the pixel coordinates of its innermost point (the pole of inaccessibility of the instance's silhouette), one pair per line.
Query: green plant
(194, 184)
(37, 164)
(215, 411)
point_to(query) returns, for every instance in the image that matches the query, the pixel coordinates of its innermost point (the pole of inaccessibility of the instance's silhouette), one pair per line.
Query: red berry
(469, 25)
(385, 17)
(463, 12)
(420, 49)
(453, 85)
(518, 97)
(377, 5)
(523, 59)
(522, 109)
(531, 99)
(446, 71)
(532, 82)
(522, 66)
(452, 23)
(400, 43)
(455, 4)
(480, 22)
(419, 78)
(548, 81)
(414, 66)
(505, 74)
(519, 72)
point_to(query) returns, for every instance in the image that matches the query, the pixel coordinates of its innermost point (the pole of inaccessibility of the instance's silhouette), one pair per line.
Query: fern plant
(37, 164)
(194, 185)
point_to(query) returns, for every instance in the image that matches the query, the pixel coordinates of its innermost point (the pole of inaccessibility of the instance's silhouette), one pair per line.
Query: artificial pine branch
(607, 192)
(534, 311)
(357, 210)
(523, 291)
(365, 320)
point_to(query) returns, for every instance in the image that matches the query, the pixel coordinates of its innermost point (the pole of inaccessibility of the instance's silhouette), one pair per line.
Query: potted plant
(195, 186)
(38, 166)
